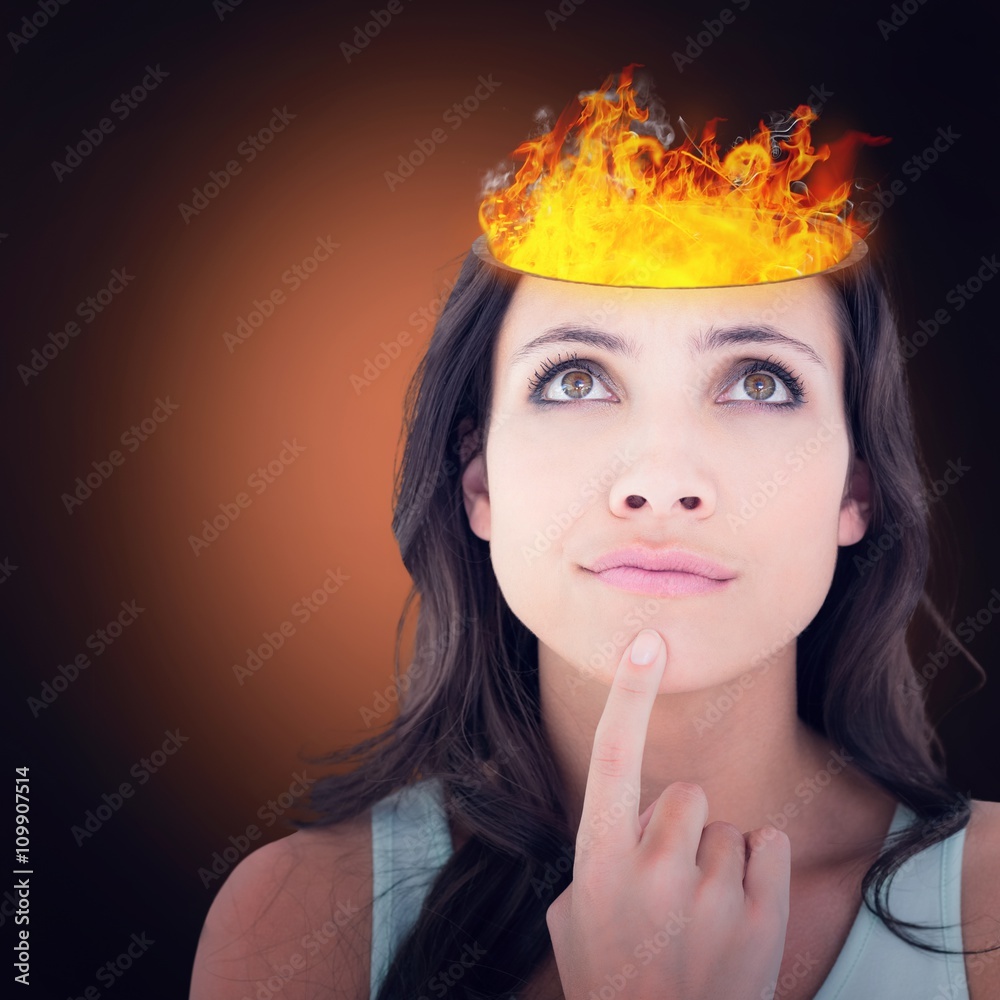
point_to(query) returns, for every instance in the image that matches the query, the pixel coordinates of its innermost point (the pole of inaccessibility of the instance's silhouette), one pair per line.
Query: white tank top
(411, 842)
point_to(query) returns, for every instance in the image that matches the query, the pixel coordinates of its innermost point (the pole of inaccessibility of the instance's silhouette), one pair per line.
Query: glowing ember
(600, 198)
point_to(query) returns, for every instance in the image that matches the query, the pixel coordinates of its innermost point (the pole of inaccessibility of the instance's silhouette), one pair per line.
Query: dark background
(329, 509)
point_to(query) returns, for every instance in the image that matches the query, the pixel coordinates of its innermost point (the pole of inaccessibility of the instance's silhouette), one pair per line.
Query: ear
(855, 508)
(475, 492)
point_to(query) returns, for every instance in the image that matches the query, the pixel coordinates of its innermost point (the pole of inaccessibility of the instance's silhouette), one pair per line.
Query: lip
(661, 572)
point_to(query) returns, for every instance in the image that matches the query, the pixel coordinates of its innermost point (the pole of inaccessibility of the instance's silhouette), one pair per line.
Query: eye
(766, 383)
(579, 380)
(763, 382)
(763, 385)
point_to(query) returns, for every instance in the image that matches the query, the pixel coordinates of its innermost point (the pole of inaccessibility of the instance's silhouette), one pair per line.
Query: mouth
(659, 583)
(661, 571)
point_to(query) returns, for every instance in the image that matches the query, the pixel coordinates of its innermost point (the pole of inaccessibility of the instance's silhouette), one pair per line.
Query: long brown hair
(469, 702)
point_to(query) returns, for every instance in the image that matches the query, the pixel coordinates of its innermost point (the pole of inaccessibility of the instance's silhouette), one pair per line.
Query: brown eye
(569, 380)
(759, 385)
(577, 384)
(764, 383)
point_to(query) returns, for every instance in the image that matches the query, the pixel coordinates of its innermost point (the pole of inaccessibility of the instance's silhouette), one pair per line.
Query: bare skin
(822, 900)
(723, 717)
(671, 449)
(665, 873)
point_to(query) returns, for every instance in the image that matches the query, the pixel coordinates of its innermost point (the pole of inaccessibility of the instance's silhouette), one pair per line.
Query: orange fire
(597, 202)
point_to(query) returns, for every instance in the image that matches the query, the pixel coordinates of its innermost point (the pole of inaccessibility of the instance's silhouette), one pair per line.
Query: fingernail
(645, 647)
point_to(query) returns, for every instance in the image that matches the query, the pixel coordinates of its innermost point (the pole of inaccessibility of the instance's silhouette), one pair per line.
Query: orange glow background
(323, 176)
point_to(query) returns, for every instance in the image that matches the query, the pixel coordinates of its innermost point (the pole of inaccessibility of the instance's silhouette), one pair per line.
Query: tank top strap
(926, 890)
(411, 842)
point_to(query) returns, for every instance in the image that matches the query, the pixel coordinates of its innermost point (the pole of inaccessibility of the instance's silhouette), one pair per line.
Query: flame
(600, 199)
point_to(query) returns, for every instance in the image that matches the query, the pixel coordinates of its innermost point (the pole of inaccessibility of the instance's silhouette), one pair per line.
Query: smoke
(658, 122)
(780, 124)
(545, 119)
(497, 179)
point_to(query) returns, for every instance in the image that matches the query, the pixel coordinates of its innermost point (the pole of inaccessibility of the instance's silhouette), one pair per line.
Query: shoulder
(981, 899)
(294, 916)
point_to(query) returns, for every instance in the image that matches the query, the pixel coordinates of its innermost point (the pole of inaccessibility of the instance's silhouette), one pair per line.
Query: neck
(744, 744)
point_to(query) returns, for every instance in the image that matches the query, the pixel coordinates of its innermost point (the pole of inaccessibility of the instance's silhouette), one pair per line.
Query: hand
(662, 907)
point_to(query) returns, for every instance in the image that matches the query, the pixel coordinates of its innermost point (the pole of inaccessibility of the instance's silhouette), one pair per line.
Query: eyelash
(791, 380)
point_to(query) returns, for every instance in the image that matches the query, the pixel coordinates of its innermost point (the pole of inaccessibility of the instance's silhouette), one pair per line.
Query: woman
(636, 521)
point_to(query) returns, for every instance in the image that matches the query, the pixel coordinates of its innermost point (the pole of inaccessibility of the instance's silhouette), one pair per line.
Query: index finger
(616, 758)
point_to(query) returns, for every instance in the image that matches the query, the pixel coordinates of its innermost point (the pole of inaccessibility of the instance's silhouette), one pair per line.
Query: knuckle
(626, 689)
(558, 910)
(687, 791)
(721, 840)
(609, 758)
(768, 835)
(729, 830)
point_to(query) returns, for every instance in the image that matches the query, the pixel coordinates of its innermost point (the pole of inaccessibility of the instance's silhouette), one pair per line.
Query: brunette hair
(469, 708)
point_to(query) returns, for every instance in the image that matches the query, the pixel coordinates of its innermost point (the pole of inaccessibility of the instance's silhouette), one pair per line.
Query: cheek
(784, 512)
(544, 485)
(777, 505)
(538, 497)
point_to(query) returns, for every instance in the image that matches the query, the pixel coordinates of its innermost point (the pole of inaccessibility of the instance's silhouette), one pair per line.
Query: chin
(691, 664)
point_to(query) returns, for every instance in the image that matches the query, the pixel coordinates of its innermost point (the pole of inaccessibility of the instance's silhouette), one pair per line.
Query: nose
(635, 500)
(669, 474)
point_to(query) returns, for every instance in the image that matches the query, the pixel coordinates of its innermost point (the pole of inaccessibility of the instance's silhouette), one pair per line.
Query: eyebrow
(709, 340)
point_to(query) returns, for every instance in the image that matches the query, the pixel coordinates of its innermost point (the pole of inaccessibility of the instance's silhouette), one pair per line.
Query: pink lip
(661, 572)
(659, 583)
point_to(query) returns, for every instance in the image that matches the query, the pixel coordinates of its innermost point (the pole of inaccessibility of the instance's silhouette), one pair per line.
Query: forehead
(656, 319)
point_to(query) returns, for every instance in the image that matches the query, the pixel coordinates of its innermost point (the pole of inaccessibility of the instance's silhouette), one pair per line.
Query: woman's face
(730, 441)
